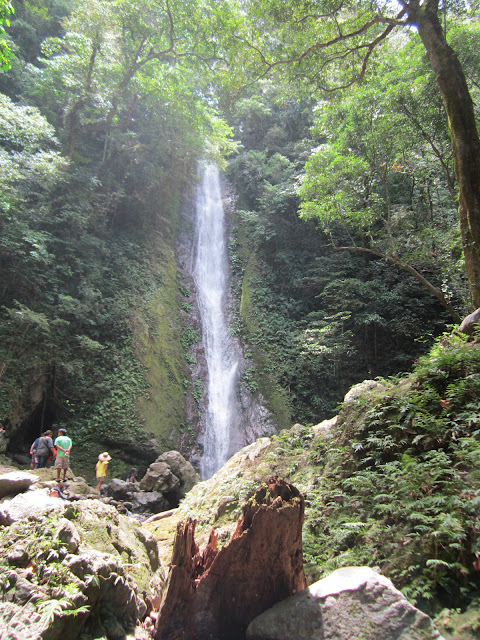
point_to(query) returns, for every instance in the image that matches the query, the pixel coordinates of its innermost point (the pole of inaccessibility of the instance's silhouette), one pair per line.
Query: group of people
(44, 449)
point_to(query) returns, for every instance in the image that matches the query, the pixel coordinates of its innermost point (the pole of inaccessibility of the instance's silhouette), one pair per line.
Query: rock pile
(165, 483)
(73, 569)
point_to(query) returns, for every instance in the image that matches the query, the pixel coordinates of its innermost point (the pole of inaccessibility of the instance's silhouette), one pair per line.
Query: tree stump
(215, 594)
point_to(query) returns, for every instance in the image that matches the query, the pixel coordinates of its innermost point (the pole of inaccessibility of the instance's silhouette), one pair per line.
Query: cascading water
(211, 278)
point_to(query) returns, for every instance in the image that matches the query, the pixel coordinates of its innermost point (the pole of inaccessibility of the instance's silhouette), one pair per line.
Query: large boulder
(159, 477)
(150, 502)
(79, 487)
(353, 602)
(32, 503)
(360, 389)
(67, 535)
(15, 482)
(172, 475)
(121, 490)
(181, 468)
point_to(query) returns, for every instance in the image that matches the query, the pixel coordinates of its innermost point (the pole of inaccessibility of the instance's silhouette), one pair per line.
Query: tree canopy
(6, 9)
(329, 46)
(346, 241)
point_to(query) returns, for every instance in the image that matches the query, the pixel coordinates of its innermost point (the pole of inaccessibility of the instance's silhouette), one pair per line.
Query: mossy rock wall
(275, 397)
(158, 332)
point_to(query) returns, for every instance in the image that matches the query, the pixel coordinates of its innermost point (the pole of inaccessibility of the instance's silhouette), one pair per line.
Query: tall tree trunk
(453, 88)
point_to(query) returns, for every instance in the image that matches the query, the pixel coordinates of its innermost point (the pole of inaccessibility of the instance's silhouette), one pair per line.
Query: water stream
(211, 277)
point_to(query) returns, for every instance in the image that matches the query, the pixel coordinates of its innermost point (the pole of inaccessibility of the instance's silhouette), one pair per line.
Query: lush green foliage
(400, 487)
(93, 178)
(318, 320)
(383, 171)
(6, 9)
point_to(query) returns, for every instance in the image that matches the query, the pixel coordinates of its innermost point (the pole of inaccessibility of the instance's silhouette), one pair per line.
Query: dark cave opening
(43, 417)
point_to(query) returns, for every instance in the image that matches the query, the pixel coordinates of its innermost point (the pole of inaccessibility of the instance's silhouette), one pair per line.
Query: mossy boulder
(84, 570)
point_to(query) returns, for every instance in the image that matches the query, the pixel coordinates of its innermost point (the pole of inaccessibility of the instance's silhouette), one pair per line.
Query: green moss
(158, 334)
(275, 396)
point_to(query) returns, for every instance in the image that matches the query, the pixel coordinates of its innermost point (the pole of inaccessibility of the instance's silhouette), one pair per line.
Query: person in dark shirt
(132, 475)
(44, 449)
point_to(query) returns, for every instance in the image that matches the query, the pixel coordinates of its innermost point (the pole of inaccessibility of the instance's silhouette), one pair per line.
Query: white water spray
(211, 278)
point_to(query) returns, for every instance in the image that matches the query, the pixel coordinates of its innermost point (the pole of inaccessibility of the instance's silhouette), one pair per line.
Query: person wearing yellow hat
(102, 469)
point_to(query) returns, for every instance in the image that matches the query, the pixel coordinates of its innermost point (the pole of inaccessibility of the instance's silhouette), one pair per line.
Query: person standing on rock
(44, 448)
(102, 469)
(63, 444)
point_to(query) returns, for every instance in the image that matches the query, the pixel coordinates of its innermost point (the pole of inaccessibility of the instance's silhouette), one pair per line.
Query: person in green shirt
(63, 445)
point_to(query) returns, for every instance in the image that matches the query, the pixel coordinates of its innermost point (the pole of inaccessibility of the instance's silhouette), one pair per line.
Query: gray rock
(16, 482)
(92, 562)
(20, 622)
(100, 586)
(79, 487)
(25, 591)
(21, 459)
(324, 429)
(151, 547)
(18, 556)
(31, 503)
(354, 602)
(360, 389)
(150, 501)
(181, 468)
(121, 490)
(67, 535)
(159, 477)
(112, 595)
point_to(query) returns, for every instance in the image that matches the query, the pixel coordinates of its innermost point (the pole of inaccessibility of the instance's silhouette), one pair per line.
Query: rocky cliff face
(255, 420)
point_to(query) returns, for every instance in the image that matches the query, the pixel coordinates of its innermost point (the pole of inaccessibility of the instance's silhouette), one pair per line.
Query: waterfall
(211, 278)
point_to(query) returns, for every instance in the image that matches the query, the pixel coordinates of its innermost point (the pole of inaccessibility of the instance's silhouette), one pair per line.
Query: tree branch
(407, 267)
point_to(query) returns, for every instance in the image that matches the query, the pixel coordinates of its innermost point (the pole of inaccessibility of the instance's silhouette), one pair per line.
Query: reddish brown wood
(215, 594)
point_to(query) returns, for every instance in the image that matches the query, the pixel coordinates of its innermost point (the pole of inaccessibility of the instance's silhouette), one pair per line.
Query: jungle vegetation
(354, 240)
